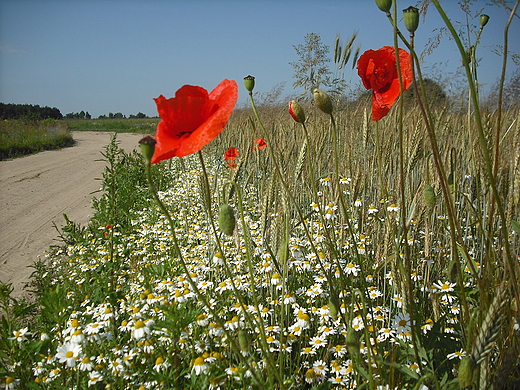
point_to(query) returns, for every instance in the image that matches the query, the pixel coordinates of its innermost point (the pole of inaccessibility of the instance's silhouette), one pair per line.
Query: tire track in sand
(35, 192)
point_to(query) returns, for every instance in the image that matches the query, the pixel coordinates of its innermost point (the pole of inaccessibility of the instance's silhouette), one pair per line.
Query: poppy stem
(407, 259)
(192, 283)
(332, 288)
(488, 164)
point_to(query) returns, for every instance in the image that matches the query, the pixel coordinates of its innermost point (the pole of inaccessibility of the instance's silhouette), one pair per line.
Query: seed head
(249, 83)
(384, 5)
(411, 18)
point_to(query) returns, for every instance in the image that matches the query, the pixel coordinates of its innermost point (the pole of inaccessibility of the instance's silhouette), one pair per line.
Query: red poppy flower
(231, 154)
(260, 144)
(192, 119)
(378, 70)
(232, 164)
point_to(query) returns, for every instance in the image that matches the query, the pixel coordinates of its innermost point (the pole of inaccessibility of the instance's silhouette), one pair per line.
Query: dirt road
(37, 190)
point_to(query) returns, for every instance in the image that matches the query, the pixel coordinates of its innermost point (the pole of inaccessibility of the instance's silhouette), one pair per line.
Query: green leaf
(516, 226)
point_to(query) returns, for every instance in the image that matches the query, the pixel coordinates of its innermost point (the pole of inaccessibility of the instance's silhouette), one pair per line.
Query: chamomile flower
(95, 378)
(199, 366)
(428, 325)
(320, 367)
(11, 383)
(315, 206)
(372, 209)
(318, 342)
(85, 364)
(392, 208)
(444, 287)
(352, 269)
(401, 323)
(68, 353)
(141, 329)
(160, 364)
(325, 181)
(456, 355)
(329, 214)
(20, 335)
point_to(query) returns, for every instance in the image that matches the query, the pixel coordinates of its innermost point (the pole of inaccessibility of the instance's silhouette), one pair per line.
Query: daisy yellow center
(139, 324)
(198, 362)
(69, 354)
(303, 316)
(402, 323)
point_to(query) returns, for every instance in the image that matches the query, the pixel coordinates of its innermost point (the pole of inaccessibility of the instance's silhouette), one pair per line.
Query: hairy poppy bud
(411, 18)
(226, 219)
(296, 111)
(249, 83)
(352, 342)
(384, 5)
(465, 372)
(451, 182)
(484, 19)
(429, 197)
(333, 309)
(243, 340)
(322, 101)
(147, 145)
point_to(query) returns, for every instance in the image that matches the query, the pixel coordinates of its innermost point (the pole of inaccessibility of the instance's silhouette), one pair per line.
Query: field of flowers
(318, 247)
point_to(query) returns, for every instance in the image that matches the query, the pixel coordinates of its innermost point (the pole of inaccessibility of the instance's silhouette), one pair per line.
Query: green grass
(145, 126)
(22, 137)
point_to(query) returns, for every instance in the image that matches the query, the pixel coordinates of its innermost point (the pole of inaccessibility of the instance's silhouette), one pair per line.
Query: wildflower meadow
(321, 245)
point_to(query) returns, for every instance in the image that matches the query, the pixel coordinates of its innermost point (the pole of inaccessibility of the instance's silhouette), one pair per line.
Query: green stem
(250, 267)
(407, 258)
(484, 148)
(293, 201)
(455, 233)
(192, 283)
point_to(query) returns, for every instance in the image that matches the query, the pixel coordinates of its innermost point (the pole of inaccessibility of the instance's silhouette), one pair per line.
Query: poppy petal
(192, 119)
(378, 71)
(225, 95)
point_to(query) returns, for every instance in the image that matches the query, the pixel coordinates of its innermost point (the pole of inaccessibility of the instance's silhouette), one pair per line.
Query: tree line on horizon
(29, 111)
(36, 112)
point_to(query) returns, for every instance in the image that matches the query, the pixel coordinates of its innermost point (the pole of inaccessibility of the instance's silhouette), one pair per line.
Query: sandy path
(37, 190)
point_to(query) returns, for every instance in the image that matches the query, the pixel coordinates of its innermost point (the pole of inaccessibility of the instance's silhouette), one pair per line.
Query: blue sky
(117, 55)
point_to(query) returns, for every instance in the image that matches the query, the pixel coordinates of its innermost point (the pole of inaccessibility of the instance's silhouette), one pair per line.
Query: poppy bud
(147, 145)
(483, 20)
(243, 340)
(384, 5)
(429, 196)
(465, 372)
(411, 18)
(249, 83)
(296, 111)
(333, 309)
(226, 219)
(352, 342)
(322, 101)
(451, 182)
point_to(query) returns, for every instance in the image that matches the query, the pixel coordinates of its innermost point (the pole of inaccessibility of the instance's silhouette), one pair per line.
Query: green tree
(312, 69)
